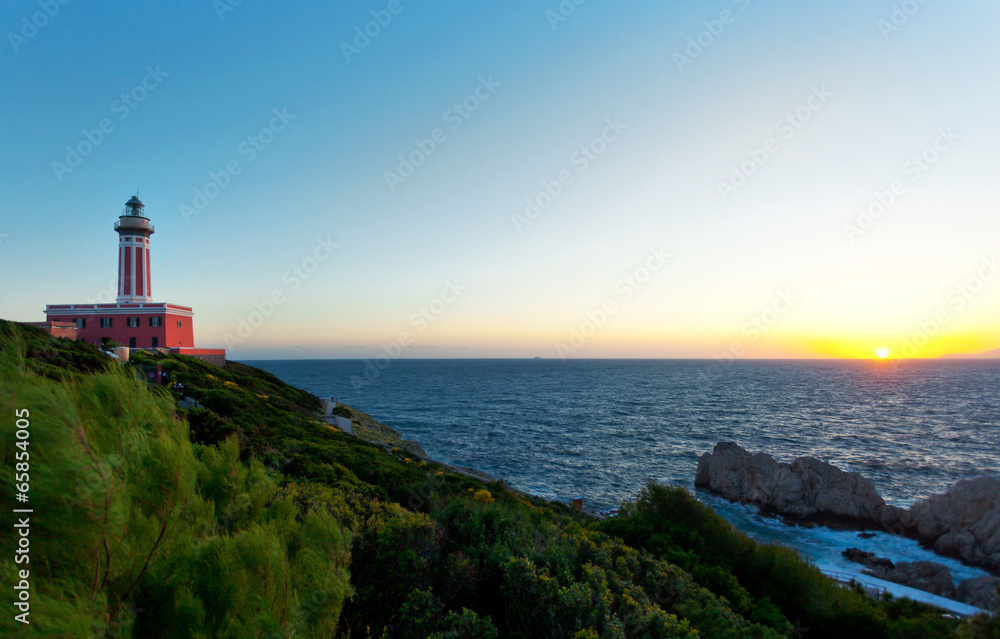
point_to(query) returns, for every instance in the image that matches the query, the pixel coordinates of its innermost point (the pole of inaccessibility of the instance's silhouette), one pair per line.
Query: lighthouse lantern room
(134, 231)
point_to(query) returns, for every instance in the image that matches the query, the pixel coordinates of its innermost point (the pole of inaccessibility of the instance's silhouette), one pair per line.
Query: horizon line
(629, 359)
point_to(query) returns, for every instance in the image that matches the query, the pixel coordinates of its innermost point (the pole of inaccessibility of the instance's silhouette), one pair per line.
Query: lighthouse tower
(134, 230)
(134, 319)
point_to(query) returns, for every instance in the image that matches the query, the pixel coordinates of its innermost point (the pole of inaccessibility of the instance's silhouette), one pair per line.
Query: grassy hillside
(250, 517)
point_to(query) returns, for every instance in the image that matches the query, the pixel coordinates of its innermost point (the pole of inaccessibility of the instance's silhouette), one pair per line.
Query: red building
(135, 320)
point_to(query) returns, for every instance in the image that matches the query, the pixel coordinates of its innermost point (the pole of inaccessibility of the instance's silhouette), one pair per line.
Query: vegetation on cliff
(246, 516)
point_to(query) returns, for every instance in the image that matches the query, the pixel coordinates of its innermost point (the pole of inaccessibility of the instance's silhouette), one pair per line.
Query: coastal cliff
(243, 514)
(963, 522)
(806, 488)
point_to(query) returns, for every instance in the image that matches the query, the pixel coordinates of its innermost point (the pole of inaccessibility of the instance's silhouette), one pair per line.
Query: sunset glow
(581, 201)
(300, 301)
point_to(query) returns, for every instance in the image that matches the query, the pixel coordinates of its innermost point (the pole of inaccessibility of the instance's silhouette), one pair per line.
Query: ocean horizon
(600, 429)
(913, 427)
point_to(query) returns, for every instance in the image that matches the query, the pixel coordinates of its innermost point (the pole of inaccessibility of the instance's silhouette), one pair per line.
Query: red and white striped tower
(134, 230)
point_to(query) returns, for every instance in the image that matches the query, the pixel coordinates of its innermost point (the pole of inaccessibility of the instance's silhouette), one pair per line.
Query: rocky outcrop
(928, 576)
(980, 592)
(931, 577)
(806, 488)
(962, 523)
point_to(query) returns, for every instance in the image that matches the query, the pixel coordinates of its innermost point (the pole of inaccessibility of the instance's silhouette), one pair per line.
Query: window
(80, 322)
(156, 321)
(105, 322)
(132, 322)
(131, 342)
(180, 324)
(156, 342)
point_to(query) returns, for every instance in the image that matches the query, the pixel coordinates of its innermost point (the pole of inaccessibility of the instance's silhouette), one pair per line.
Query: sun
(882, 352)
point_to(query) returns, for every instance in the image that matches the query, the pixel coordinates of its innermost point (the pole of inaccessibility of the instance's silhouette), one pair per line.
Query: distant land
(994, 354)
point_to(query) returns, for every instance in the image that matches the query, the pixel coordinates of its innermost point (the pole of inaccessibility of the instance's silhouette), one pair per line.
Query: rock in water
(806, 488)
(980, 592)
(963, 522)
(929, 576)
(867, 558)
(857, 555)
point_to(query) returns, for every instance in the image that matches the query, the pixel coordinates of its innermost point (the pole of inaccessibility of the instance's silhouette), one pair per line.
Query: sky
(578, 179)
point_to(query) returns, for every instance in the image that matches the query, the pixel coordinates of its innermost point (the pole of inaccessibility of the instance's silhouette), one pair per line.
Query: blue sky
(777, 264)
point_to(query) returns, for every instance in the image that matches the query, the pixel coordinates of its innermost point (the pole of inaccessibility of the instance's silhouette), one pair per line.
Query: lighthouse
(135, 319)
(134, 231)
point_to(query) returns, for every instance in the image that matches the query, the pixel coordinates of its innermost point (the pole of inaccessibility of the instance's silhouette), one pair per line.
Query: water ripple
(600, 428)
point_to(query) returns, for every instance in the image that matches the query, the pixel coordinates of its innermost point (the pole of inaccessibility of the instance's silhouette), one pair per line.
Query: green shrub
(143, 535)
(767, 583)
(252, 518)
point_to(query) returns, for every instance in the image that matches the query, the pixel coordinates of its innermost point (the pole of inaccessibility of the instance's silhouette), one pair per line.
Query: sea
(599, 429)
